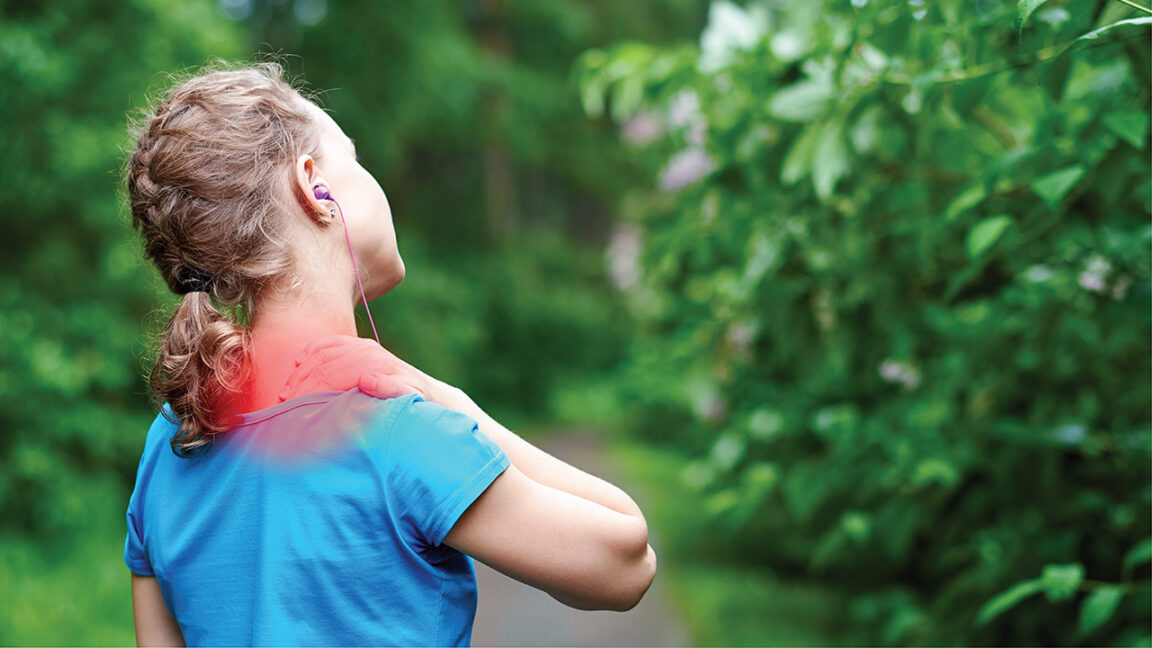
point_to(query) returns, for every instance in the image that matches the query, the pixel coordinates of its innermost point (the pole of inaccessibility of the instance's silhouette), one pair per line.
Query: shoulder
(429, 425)
(414, 411)
(429, 434)
(160, 433)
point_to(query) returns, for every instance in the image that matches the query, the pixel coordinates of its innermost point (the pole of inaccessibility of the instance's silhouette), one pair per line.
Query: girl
(264, 514)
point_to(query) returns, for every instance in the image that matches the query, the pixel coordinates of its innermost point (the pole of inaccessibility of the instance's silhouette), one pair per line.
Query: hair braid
(206, 185)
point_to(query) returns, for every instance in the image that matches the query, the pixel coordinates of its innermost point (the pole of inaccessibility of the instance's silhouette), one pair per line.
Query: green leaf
(1098, 607)
(803, 101)
(1024, 9)
(830, 161)
(969, 94)
(730, 28)
(626, 98)
(1106, 29)
(592, 97)
(857, 525)
(967, 199)
(593, 85)
(798, 161)
(1060, 581)
(727, 451)
(986, 233)
(1132, 127)
(805, 487)
(721, 502)
(1054, 186)
(1054, 76)
(1004, 601)
(1137, 555)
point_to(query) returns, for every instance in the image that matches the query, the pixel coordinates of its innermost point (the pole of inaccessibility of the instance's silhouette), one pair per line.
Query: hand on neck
(286, 323)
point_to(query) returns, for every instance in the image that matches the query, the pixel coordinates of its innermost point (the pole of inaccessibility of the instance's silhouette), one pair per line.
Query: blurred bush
(465, 112)
(893, 272)
(73, 296)
(515, 328)
(73, 288)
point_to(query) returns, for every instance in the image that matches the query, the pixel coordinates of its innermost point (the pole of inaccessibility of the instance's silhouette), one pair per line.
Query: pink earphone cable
(356, 269)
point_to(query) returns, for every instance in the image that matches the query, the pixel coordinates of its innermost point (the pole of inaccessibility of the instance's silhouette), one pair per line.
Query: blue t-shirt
(317, 521)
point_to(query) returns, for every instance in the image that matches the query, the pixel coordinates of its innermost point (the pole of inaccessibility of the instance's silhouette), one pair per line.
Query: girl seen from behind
(267, 512)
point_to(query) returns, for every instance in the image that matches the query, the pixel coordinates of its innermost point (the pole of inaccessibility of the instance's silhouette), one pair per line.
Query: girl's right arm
(535, 463)
(342, 362)
(583, 554)
(154, 623)
(542, 521)
(553, 526)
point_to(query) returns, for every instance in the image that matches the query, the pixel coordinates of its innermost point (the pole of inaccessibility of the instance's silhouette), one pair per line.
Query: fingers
(334, 342)
(324, 371)
(341, 362)
(384, 386)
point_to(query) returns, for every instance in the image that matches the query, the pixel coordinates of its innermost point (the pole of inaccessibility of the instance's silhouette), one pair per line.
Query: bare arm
(154, 623)
(543, 522)
(583, 554)
(536, 464)
(551, 525)
(342, 362)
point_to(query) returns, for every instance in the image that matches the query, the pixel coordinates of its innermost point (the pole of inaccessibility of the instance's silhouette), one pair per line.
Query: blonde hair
(212, 165)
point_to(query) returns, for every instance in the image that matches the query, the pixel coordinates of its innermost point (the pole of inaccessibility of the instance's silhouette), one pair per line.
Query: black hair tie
(194, 280)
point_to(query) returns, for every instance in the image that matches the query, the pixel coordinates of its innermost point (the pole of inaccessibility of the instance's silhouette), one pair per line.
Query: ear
(307, 179)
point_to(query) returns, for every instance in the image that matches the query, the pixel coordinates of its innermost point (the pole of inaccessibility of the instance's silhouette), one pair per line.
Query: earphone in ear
(321, 192)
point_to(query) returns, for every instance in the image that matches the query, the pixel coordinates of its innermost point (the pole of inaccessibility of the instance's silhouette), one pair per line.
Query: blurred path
(513, 614)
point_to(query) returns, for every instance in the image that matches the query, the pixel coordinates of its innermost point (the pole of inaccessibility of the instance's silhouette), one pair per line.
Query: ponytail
(200, 365)
(209, 186)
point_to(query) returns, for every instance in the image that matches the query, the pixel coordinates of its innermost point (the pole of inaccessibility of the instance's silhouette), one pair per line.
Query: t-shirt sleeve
(135, 555)
(438, 464)
(135, 551)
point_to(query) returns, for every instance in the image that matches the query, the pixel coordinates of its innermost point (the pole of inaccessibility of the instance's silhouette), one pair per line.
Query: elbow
(637, 569)
(620, 575)
(636, 582)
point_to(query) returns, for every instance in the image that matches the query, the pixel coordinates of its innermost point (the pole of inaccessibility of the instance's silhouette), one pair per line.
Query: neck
(283, 325)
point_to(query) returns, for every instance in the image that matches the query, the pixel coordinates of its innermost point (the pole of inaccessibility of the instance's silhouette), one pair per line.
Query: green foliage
(470, 123)
(72, 589)
(985, 234)
(1025, 9)
(1060, 583)
(897, 291)
(512, 329)
(1099, 607)
(723, 604)
(73, 295)
(73, 290)
(1138, 555)
(1006, 599)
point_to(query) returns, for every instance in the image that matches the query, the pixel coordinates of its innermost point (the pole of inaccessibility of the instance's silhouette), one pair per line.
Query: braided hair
(208, 184)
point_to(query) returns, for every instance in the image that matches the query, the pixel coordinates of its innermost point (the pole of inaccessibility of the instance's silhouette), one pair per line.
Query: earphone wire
(356, 270)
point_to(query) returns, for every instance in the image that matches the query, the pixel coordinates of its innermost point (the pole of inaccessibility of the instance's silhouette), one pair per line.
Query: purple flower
(901, 373)
(685, 168)
(641, 129)
(624, 256)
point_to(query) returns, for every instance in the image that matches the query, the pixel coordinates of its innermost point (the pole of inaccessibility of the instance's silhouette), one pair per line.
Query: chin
(389, 281)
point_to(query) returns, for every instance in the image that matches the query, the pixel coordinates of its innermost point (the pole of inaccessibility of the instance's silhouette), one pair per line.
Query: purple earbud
(321, 193)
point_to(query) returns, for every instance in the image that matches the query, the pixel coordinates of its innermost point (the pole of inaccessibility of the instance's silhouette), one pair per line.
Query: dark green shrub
(896, 271)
